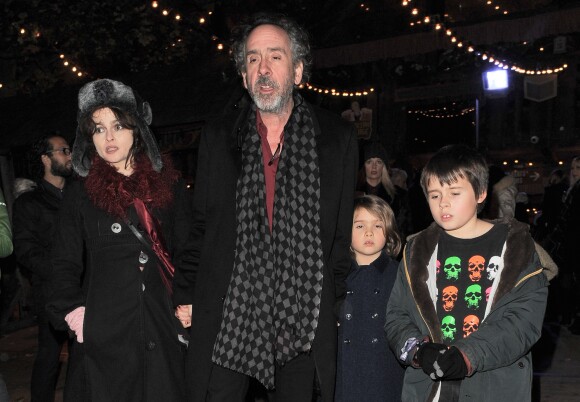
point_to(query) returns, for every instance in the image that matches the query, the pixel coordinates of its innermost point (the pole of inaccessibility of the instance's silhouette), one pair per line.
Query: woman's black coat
(131, 350)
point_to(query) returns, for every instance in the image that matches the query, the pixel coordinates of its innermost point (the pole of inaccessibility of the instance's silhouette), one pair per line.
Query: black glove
(449, 366)
(427, 354)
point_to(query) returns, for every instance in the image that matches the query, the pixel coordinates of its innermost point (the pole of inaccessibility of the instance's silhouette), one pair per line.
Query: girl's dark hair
(379, 208)
(87, 128)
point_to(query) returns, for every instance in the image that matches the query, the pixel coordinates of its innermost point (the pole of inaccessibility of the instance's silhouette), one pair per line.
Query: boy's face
(454, 207)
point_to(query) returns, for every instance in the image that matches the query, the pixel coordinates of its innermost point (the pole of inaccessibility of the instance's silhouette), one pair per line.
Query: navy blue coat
(367, 370)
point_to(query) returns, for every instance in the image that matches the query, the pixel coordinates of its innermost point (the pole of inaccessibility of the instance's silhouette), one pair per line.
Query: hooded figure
(120, 236)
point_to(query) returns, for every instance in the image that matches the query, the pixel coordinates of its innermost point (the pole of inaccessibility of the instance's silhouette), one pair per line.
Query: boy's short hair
(454, 161)
(379, 208)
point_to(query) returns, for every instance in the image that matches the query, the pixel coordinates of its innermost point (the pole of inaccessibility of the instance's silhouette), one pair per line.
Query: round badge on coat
(116, 227)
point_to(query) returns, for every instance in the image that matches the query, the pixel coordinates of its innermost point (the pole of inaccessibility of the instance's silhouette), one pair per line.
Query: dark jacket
(214, 237)
(131, 350)
(499, 351)
(367, 370)
(34, 224)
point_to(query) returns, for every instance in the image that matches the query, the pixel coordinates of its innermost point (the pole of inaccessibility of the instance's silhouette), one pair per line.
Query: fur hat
(108, 93)
(374, 150)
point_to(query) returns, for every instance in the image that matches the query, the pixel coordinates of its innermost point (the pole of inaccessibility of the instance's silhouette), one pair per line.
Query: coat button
(375, 315)
(223, 299)
(151, 345)
(346, 341)
(116, 227)
(375, 340)
(349, 292)
(377, 291)
(348, 316)
(143, 258)
(521, 365)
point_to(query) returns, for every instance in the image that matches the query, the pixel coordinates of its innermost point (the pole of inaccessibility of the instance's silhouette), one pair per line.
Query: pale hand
(183, 314)
(75, 320)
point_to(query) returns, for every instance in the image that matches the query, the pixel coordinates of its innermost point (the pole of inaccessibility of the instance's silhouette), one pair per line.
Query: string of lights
(491, 58)
(442, 113)
(202, 20)
(336, 92)
(80, 72)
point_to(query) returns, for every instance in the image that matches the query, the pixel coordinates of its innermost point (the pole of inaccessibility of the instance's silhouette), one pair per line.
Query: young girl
(366, 369)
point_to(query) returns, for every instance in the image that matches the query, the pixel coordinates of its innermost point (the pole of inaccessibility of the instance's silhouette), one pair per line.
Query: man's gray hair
(299, 40)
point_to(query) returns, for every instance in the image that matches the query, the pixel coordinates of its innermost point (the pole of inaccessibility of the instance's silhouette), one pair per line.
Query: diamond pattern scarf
(272, 306)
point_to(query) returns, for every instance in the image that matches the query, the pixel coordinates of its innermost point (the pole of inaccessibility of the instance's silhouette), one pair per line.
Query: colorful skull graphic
(448, 327)
(449, 297)
(495, 263)
(476, 267)
(470, 325)
(473, 296)
(452, 268)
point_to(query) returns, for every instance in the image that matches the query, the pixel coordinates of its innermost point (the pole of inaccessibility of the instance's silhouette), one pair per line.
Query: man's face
(270, 75)
(60, 164)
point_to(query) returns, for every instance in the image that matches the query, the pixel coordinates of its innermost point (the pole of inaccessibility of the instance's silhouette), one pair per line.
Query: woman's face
(574, 172)
(112, 140)
(374, 168)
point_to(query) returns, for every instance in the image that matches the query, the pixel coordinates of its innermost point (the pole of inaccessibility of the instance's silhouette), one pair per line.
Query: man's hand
(183, 314)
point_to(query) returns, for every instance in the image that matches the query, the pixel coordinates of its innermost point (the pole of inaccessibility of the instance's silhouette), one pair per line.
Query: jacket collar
(520, 246)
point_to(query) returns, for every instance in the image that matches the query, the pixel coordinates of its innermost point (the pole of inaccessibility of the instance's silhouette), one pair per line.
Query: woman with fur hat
(121, 229)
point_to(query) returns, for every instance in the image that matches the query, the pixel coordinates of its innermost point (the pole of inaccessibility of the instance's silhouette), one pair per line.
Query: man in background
(35, 219)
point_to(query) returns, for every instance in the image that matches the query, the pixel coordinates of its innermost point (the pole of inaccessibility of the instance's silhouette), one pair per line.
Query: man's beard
(275, 102)
(60, 169)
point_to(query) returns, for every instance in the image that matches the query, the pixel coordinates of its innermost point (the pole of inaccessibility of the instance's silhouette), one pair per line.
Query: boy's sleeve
(501, 341)
(400, 325)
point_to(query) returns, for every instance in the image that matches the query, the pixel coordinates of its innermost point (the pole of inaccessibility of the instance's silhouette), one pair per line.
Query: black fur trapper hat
(108, 93)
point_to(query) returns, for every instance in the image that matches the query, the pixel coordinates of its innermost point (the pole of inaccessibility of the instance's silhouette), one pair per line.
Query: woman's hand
(183, 314)
(76, 320)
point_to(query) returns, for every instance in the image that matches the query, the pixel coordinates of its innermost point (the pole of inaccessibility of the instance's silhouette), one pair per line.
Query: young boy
(470, 295)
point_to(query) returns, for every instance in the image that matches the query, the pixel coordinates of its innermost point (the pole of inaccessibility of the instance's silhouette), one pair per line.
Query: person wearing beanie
(374, 179)
(122, 227)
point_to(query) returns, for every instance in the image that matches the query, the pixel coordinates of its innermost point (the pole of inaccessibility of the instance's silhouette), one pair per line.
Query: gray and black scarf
(272, 306)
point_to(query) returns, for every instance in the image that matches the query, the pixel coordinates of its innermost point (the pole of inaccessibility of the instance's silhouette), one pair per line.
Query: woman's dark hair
(87, 128)
(299, 41)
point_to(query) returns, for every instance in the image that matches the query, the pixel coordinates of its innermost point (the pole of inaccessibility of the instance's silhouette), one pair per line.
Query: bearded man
(271, 230)
(34, 220)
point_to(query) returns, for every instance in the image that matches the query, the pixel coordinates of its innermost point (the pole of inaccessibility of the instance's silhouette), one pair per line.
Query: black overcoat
(214, 236)
(367, 369)
(131, 350)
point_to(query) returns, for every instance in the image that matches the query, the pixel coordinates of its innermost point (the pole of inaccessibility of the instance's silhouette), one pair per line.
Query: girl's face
(368, 236)
(574, 172)
(112, 140)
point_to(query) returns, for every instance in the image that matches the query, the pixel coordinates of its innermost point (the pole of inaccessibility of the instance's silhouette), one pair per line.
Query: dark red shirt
(270, 167)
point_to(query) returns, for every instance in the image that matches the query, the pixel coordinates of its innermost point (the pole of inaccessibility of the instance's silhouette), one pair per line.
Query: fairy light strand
(336, 92)
(490, 57)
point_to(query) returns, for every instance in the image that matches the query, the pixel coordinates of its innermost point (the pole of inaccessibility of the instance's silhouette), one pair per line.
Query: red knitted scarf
(114, 192)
